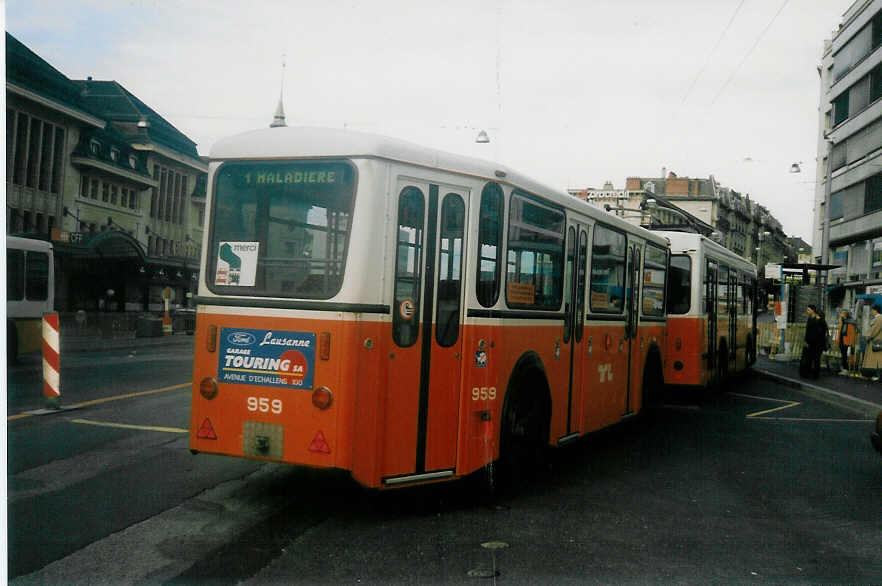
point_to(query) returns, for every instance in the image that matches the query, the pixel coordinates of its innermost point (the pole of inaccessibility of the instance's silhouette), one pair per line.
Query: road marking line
(760, 398)
(788, 406)
(129, 426)
(815, 420)
(108, 399)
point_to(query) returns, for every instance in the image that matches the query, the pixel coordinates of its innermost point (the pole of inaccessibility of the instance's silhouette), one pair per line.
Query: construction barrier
(51, 360)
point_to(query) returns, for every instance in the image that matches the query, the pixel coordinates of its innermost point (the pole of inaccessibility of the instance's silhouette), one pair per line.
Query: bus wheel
(723, 369)
(653, 381)
(523, 436)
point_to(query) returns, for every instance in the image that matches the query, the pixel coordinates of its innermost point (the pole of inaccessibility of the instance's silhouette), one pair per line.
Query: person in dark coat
(815, 341)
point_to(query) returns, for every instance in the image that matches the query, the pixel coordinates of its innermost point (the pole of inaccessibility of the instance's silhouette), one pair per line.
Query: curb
(110, 344)
(860, 406)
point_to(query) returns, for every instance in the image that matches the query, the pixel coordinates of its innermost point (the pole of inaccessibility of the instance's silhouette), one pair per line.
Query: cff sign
(266, 357)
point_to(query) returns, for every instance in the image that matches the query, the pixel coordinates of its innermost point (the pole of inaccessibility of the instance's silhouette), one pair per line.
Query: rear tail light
(322, 398)
(211, 342)
(325, 346)
(208, 388)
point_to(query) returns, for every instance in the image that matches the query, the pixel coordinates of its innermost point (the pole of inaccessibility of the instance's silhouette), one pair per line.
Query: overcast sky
(573, 93)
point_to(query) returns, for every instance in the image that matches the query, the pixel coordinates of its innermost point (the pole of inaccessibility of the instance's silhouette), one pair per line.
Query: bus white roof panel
(303, 141)
(683, 241)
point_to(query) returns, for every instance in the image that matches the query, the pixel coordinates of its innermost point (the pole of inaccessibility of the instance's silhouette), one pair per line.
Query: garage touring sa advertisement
(267, 357)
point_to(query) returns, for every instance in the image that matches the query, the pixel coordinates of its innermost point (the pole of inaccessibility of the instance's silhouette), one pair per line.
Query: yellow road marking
(113, 398)
(128, 426)
(788, 406)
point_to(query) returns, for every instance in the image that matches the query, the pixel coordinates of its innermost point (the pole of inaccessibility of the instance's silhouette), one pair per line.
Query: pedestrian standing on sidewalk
(844, 338)
(815, 343)
(873, 353)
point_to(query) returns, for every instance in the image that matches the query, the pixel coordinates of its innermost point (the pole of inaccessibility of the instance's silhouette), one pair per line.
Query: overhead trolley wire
(712, 51)
(744, 59)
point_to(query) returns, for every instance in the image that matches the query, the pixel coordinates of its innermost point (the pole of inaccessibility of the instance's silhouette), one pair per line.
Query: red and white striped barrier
(51, 360)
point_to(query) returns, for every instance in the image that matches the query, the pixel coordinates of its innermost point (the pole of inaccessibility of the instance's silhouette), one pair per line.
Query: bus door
(733, 314)
(422, 398)
(710, 296)
(574, 320)
(632, 314)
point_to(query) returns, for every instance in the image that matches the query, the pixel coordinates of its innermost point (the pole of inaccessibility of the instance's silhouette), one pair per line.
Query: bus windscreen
(281, 228)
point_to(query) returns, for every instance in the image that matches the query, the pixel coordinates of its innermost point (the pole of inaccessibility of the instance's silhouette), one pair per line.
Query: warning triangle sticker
(206, 431)
(319, 444)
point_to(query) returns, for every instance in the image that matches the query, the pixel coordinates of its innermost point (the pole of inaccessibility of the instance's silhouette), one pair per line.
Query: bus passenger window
(489, 248)
(654, 268)
(37, 276)
(607, 271)
(14, 275)
(535, 255)
(408, 267)
(679, 276)
(450, 270)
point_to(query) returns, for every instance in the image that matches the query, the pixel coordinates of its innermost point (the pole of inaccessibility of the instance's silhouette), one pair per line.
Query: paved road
(762, 485)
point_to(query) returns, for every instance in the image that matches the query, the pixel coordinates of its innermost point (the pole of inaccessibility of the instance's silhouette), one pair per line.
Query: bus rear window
(281, 229)
(679, 287)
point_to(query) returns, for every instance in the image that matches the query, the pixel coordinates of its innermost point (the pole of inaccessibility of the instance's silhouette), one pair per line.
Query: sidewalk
(854, 393)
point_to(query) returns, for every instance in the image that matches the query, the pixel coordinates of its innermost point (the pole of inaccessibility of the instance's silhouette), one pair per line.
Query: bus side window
(37, 276)
(14, 274)
(679, 290)
(489, 248)
(607, 271)
(450, 270)
(654, 273)
(408, 267)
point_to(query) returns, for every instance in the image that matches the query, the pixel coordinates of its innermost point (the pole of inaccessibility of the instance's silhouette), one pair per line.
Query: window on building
(33, 168)
(21, 148)
(47, 143)
(114, 154)
(836, 204)
(124, 197)
(105, 191)
(876, 83)
(94, 147)
(113, 193)
(133, 161)
(94, 192)
(873, 194)
(84, 186)
(840, 109)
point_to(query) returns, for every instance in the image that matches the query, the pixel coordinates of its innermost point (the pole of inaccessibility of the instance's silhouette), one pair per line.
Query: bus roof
(290, 142)
(21, 243)
(685, 241)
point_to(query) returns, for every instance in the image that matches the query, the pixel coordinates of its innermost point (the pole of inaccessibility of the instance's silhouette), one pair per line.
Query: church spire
(279, 117)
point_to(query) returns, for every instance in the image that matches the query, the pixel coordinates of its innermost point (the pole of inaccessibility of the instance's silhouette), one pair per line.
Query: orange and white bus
(30, 292)
(711, 310)
(410, 315)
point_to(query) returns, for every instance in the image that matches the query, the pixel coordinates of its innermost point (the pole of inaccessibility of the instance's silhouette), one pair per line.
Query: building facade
(739, 223)
(848, 195)
(118, 189)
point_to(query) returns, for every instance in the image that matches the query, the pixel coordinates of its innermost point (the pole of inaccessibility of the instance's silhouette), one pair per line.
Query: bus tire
(653, 379)
(11, 343)
(750, 350)
(523, 434)
(723, 368)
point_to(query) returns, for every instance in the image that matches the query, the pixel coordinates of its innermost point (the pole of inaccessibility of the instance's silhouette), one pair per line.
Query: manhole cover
(483, 573)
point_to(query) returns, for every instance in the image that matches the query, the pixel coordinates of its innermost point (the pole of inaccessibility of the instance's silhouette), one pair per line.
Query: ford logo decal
(241, 338)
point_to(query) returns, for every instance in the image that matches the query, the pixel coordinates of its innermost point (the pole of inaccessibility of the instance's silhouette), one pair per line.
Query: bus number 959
(264, 405)
(483, 393)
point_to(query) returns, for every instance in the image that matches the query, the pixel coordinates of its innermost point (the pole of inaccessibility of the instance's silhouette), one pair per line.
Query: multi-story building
(739, 223)
(848, 196)
(119, 190)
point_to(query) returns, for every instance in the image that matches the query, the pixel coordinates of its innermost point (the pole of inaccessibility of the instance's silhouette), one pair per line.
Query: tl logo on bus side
(605, 371)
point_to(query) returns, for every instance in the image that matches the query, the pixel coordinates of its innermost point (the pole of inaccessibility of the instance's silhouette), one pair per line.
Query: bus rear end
(276, 351)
